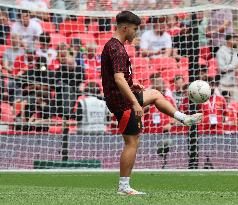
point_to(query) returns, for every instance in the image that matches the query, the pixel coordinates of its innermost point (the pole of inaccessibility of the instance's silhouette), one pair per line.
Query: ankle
(124, 182)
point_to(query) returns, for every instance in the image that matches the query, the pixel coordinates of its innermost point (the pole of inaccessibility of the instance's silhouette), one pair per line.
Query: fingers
(138, 86)
(139, 113)
(142, 87)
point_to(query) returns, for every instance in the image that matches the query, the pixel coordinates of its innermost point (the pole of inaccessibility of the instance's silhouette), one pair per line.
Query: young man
(126, 100)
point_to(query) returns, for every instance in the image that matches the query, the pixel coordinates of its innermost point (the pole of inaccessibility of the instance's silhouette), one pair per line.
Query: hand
(137, 86)
(138, 110)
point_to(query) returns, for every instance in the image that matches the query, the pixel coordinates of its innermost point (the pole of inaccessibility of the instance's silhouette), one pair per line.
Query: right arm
(220, 29)
(223, 65)
(148, 53)
(5, 62)
(227, 16)
(126, 91)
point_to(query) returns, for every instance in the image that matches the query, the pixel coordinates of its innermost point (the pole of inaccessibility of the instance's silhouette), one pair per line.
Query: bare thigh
(132, 140)
(150, 95)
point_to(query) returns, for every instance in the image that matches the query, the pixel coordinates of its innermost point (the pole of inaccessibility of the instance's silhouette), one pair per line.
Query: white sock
(124, 182)
(179, 116)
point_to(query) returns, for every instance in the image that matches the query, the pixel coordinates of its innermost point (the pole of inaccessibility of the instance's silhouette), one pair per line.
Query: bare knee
(157, 95)
(132, 142)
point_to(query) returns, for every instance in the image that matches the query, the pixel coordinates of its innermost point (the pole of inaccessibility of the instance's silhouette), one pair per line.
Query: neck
(159, 33)
(119, 37)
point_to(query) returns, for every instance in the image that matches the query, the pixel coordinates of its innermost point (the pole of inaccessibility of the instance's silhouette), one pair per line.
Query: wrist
(135, 102)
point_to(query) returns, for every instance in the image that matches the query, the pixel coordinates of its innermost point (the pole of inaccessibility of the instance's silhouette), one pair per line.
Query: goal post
(52, 112)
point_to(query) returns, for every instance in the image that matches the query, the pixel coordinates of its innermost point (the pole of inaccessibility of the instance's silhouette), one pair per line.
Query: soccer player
(126, 100)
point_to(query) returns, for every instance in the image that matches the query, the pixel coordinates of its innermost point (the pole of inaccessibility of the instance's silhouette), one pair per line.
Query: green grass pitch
(168, 188)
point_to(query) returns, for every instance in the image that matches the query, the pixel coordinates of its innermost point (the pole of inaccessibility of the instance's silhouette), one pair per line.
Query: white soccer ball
(199, 91)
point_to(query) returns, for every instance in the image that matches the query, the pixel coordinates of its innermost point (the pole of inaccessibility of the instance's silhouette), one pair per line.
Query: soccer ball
(199, 91)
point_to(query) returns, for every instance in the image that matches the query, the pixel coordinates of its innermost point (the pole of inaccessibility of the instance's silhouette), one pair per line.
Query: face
(228, 97)
(184, 29)
(234, 42)
(171, 20)
(200, 15)
(160, 27)
(43, 45)
(3, 19)
(76, 48)
(91, 52)
(179, 84)
(30, 57)
(5, 97)
(185, 90)
(203, 75)
(15, 41)
(62, 52)
(212, 85)
(158, 84)
(25, 19)
(131, 31)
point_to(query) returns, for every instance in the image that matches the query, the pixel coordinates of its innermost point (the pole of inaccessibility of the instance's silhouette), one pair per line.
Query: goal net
(52, 112)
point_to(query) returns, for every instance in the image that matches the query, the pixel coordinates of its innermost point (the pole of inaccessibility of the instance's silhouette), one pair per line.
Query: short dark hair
(23, 12)
(157, 19)
(203, 68)
(211, 80)
(44, 38)
(155, 75)
(178, 77)
(128, 17)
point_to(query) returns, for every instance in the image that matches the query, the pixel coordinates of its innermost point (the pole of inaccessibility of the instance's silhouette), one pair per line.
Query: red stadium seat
(213, 62)
(92, 74)
(184, 63)
(99, 49)
(205, 53)
(102, 38)
(2, 49)
(69, 27)
(163, 63)
(48, 27)
(140, 75)
(56, 129)
(81, 19)
(202, 61)
(57, 39)
(139, 62)
(93, 27)
(141, 71)
(212, 67)
(131, 51)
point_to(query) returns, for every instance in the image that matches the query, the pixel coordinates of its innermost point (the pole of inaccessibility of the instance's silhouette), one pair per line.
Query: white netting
(50, 63)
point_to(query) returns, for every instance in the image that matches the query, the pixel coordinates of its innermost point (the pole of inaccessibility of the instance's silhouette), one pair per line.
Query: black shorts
(128, 123)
